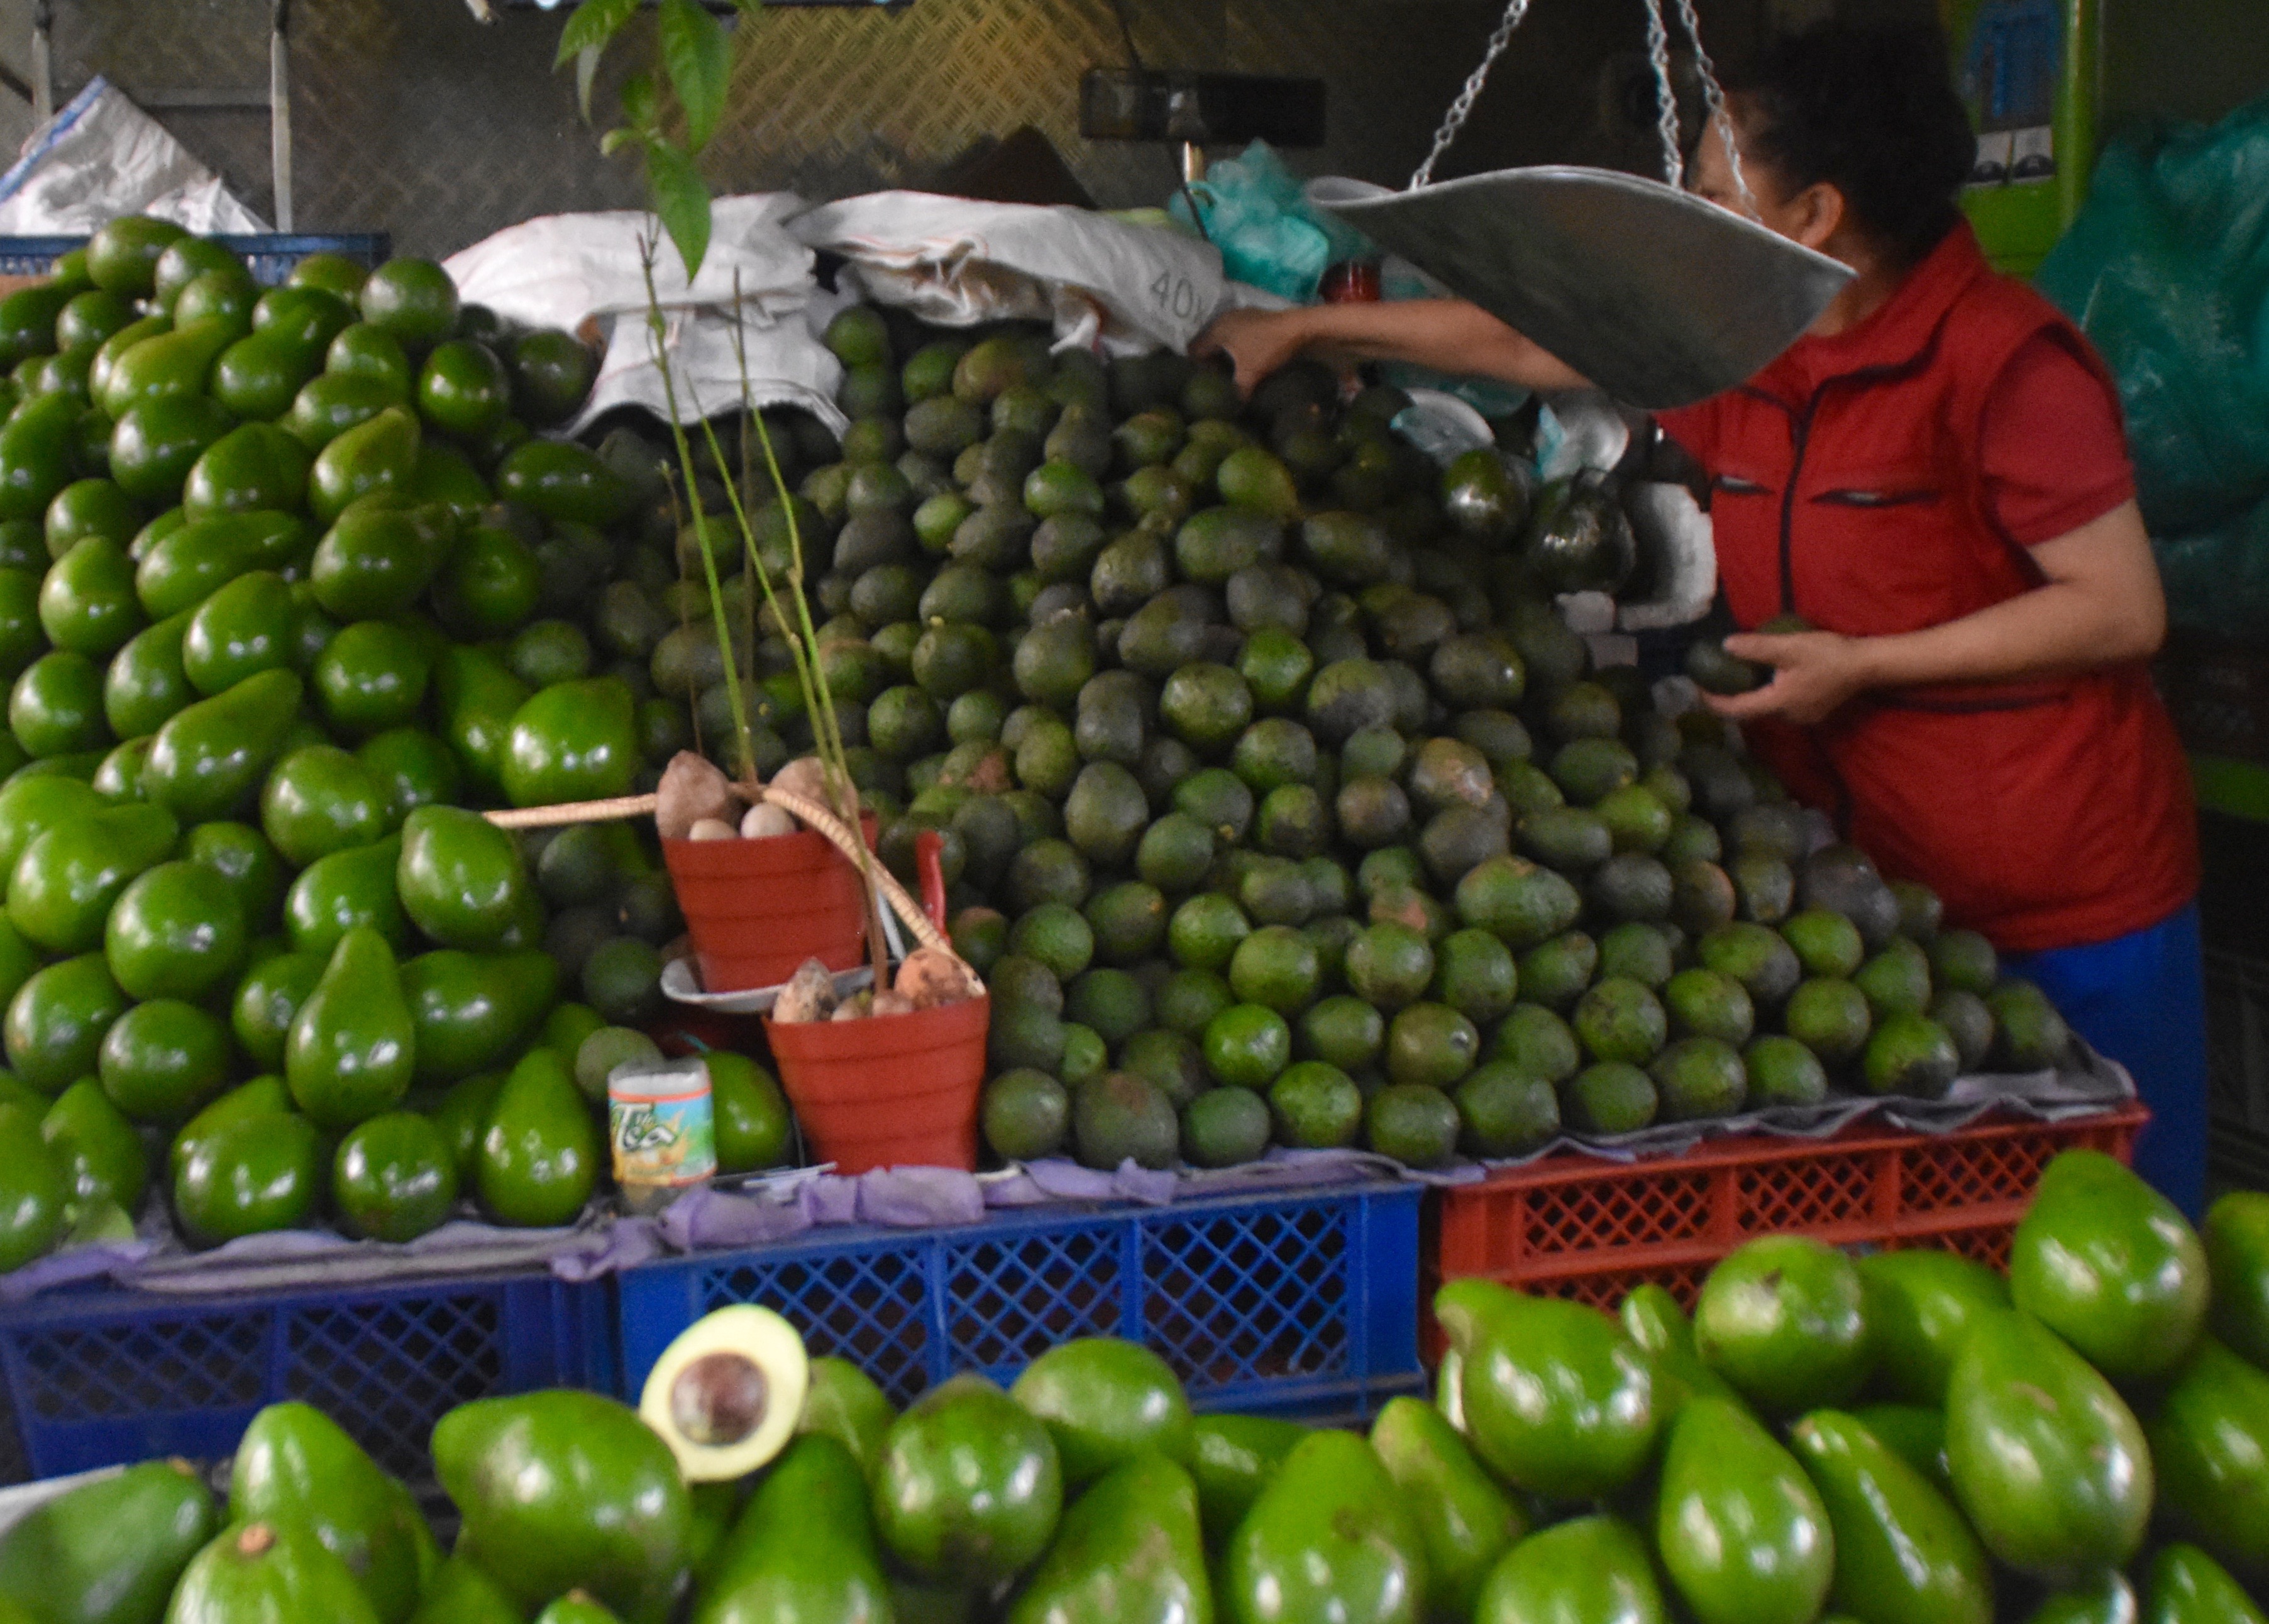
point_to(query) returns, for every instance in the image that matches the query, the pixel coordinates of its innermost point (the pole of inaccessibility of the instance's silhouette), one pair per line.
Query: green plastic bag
(2167, 270)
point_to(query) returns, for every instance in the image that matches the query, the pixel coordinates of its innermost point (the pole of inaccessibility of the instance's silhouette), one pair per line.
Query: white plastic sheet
(785, 366)
(556, 269)
(101, 157)
(1103, 283)
(587, 273)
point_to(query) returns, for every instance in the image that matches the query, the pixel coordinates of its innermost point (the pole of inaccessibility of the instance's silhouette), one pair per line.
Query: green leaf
(615, 140)
(587, 71)
(591, 26)
(695, 52)
(641, 102)
(681, 200)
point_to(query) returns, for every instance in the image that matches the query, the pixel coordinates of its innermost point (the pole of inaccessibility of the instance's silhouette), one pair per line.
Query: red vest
(2047, 814)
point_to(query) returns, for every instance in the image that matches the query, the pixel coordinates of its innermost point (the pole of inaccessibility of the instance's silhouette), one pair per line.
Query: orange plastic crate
(1588, 1228)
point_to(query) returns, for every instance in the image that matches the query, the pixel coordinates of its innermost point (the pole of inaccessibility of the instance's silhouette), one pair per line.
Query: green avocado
(109, 1550)
(1464, 1519)
(57, 1020)
(373, 458)
(1233, 1459)
(87, 603)
(296, 1467)
(2209, 1436)
(2237, 1239)
(209, 759)
(349, 1054)
(460, 1593)
(336, 894)
(1904, 1554)
(563, 481)
(575, 740)
(539, 1154)
(101, 1154)
(1331, 1537)
(1129, 1552)
(250, 1176)
(378, 556)
(462, 879)
(394, 1177)
(1106, 1402)
(256, 1571)
(2189, 1587)
(968, 1489)
(1919, 1305)
(372, 676)
(1590, 1569)
(471, 1011)
(1558, 1400)
(156, 443)
(565, 1490)
(263, 1096)
(266, 1000)
(35, 1190)
(2112, 1266)
(2047, 1461)
(1782, 1320)
(804, 1547)
(246, 627)
(253, 466)
(63, 883)
(1742, 1533)
(842, 1401)
(320, 800)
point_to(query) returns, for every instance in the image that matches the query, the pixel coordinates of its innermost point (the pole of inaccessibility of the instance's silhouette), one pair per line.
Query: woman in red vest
(1935, 476)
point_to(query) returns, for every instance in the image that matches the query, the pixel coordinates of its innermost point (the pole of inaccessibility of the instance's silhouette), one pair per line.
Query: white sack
(556, 269)
(1102, 282)
(101, 156)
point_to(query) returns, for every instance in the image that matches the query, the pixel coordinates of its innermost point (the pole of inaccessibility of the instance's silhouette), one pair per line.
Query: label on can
(662, 1124)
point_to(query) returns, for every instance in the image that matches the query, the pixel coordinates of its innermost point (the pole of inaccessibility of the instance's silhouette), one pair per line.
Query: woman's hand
(1814, 674)
(1256, 342)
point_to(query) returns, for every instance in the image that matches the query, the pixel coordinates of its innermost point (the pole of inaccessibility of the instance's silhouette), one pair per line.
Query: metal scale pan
(1657, 297)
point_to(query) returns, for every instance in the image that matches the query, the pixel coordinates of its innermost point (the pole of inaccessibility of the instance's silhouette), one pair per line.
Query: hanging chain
(1665, 96)
(1462, 109)
(1713, 106)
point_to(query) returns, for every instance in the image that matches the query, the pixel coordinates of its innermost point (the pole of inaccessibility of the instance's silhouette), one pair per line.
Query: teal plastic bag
(2166, 269)
(1255, 213)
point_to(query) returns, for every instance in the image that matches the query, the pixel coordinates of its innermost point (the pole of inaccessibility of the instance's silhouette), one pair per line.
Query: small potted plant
(892, 1075)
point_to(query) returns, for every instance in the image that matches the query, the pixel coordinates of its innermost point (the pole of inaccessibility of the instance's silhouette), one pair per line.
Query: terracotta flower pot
(887, 1090)
(757, 908)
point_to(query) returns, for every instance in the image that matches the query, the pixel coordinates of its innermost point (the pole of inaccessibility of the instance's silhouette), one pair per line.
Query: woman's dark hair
(1873, 112)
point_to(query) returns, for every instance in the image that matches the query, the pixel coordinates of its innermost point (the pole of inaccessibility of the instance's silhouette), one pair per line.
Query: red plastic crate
(1584, 1228)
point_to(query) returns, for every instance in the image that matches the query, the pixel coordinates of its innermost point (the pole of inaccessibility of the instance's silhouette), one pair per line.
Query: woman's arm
(1448, 335)
(2101, 604)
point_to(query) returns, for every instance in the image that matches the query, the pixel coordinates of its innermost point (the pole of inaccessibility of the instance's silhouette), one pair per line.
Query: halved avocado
(727, 1394)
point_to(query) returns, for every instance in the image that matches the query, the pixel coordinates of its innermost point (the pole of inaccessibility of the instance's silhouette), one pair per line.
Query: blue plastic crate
(1295, 1303)
(271, 256)
(101, 1377)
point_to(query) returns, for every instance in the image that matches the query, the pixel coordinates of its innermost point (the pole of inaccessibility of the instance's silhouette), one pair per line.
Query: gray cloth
(766, 1209)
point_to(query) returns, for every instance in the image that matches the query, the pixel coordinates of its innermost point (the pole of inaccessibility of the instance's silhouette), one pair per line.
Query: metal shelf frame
(275, 100)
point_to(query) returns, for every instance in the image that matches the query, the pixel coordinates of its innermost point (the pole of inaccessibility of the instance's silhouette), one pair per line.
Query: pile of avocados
(288, 585)
(1279, 803)
(1900, 1438)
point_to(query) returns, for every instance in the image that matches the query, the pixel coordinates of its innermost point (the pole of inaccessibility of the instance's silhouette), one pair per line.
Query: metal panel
(411, 117)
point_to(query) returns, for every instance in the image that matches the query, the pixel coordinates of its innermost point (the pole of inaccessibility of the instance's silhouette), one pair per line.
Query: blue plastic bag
(2167, 270)
(1255, 213)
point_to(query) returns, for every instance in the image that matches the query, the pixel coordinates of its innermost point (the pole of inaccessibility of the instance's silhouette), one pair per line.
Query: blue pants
(2140, 998)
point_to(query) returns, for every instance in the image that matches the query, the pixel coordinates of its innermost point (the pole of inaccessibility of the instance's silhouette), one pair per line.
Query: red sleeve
(1694, 428)
(2052, 452)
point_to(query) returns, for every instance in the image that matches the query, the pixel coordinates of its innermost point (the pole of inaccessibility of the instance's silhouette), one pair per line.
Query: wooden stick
(572, 812)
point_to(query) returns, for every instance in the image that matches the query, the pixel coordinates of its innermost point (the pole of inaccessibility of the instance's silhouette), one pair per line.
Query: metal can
(662, 1124)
